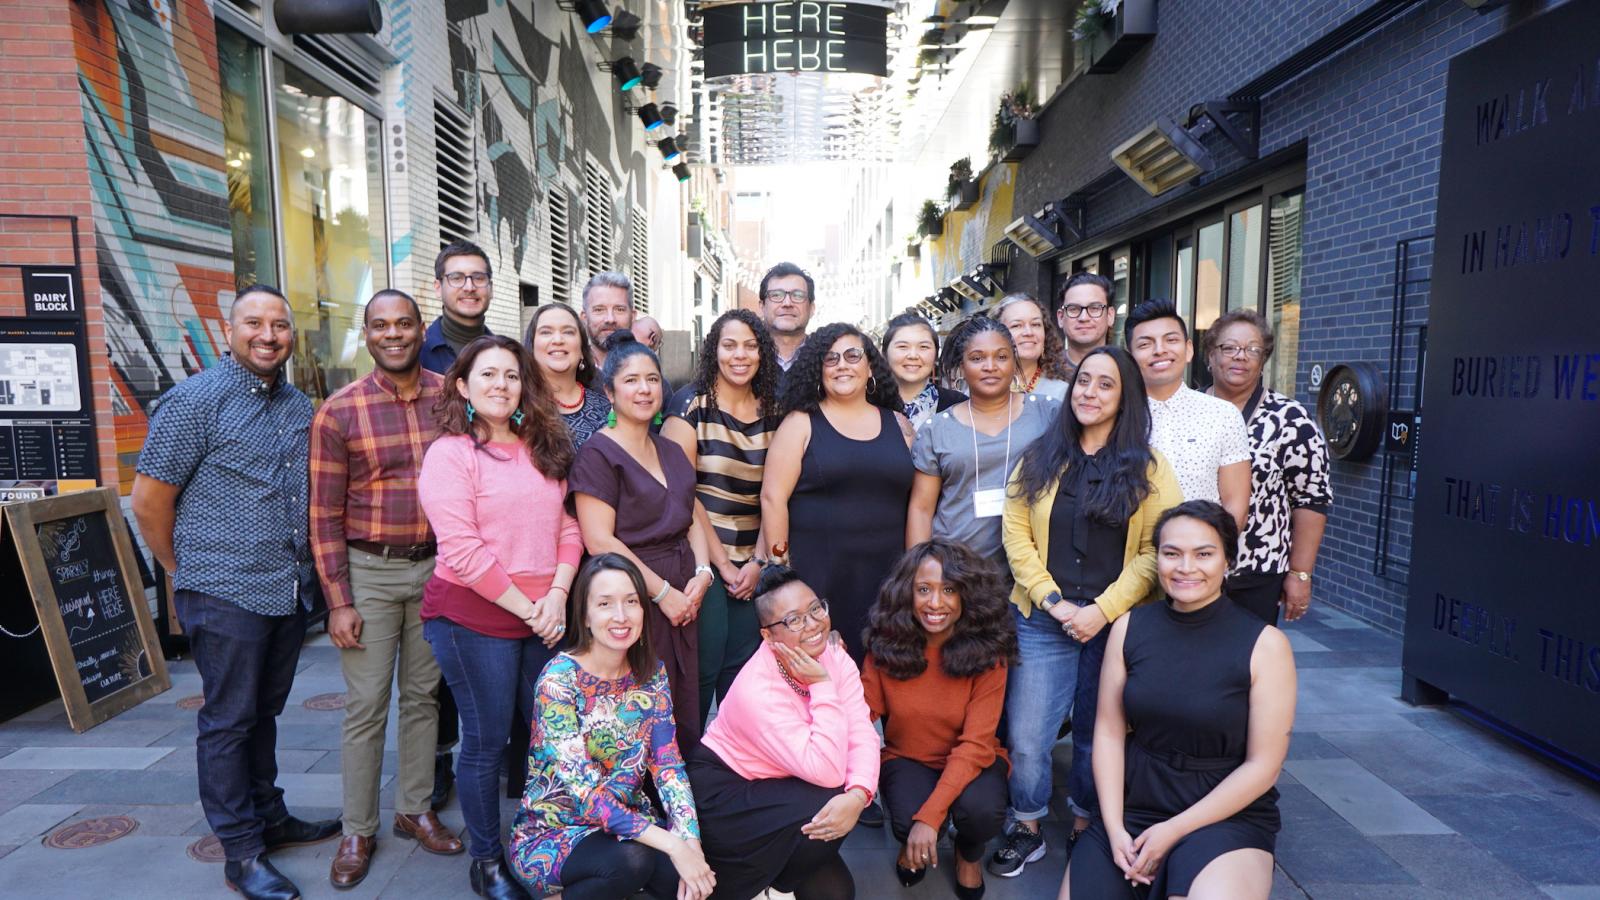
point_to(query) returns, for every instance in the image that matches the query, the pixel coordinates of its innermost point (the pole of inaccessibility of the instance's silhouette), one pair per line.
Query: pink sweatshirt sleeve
(446, 488)
(765, 724)
(865, 751)
(569, 545)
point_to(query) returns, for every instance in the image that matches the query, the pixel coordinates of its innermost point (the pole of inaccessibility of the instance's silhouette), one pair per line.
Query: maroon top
(652, 520)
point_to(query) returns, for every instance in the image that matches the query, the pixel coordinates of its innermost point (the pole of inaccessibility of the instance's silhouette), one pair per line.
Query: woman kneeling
(791, 759)
(603, 725)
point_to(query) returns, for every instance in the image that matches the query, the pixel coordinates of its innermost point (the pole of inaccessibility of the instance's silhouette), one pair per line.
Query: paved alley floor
(1379, 799)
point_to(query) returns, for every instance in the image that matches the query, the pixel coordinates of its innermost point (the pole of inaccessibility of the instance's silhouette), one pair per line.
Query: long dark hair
(912, 320)
(586, 367)
(983, 637)
(542, 430)
(641, 661)
(803, 388)
(1127, 482)
(765, 383)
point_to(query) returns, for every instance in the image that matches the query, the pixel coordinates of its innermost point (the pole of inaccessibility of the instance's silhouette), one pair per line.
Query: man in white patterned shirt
(1203, 437)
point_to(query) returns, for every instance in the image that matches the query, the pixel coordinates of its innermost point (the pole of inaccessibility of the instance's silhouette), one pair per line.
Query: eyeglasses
(1095, 310)
(798, 295)
(1240, 351)
(817, 612)
(457, 279)
(851, 356)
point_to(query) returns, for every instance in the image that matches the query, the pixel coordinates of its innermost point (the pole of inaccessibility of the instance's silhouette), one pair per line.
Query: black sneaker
(1022, 847)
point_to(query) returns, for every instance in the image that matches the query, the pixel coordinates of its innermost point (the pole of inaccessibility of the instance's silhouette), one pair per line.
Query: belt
(1183, 762)
(410, 553)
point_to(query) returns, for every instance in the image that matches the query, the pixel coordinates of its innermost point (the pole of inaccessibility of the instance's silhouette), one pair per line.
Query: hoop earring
(872, 384)
(470, 412)
(517, 417)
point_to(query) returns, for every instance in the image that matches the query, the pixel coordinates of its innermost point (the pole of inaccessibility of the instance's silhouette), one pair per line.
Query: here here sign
(797, 36)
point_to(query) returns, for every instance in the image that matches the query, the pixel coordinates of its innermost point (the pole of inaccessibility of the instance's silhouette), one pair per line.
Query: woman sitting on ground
(791, 759)
(1196, 706)
(938, 646)
(603, 726)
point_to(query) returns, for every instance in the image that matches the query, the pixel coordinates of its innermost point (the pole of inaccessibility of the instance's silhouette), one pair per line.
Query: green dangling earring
(658, 419)
(517, 417)
(470, 412)
(611, 419)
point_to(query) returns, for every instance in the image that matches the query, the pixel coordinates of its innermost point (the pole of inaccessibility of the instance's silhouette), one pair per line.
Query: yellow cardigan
(1026, 529)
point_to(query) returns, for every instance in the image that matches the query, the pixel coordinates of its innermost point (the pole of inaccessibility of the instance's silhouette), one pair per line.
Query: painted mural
(970, 233)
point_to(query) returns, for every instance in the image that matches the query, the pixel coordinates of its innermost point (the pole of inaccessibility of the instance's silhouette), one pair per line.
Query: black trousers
(602, 867)
(1256, 591)
(979, 811)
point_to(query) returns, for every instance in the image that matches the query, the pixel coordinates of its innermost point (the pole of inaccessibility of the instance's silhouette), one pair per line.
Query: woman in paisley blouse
(604, 726)
(1289, 490)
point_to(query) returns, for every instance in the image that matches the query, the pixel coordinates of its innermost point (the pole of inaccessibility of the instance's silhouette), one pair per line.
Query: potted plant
(913, 247)
(1110, 32)
(931, 219)
(961, 190)
(1015, 132)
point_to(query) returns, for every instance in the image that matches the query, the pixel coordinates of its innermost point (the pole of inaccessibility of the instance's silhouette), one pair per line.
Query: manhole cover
(90, 832)
(207, 850)
(194, 702)
(325, 702)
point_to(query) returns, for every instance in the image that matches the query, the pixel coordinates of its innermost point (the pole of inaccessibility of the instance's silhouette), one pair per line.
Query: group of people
(703, 633)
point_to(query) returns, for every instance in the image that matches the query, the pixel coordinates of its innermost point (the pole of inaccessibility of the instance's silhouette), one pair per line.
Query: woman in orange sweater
(939, 641)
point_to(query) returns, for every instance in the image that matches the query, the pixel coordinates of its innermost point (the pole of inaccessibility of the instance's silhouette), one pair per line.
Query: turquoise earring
(517, 417)
(657, 420)
(470, 412)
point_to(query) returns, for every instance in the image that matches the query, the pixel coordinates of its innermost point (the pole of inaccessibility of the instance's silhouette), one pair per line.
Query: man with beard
(374, 553)
(607, 308)
(220, 497)
(1085, 316)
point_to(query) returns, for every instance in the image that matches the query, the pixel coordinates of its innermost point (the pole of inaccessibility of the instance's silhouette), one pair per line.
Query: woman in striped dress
(724, 422)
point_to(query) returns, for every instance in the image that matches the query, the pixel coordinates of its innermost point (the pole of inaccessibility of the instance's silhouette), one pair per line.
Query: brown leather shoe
(351, 862)
(428, 832)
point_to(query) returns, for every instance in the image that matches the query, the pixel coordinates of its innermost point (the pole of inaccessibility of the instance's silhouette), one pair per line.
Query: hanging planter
(930, 221)
(1110, 32)
(961, 190)
(1015, 132)
(913, 249)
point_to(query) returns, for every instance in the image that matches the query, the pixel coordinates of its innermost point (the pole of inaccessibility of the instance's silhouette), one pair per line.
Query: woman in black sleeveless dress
(1187, 803)
(838, 475)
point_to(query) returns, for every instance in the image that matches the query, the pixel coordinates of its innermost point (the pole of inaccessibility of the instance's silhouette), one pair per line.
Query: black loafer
(256, 879)
(293, 832)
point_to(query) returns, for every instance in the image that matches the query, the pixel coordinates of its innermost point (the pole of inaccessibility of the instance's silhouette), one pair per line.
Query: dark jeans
(602, 867)
(1081, 795)
(979, 811)
(729, 636)
(246, 664)
(492, 680)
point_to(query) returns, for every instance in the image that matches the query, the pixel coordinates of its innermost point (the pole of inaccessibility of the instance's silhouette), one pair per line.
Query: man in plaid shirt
(374, 553)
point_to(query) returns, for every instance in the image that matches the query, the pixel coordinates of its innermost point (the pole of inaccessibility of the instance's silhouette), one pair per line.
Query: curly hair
(803, 388)
(1055, 346)
(586, 367)
(542, 430)
(765, 383)
(983, 636)
(955, 347)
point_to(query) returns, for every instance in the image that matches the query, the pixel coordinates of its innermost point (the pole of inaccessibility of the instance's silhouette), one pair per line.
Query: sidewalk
(1379, 799)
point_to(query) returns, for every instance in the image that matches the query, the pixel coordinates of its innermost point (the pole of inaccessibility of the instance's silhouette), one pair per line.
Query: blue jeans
(1081, 795)
(246, 664)
(1039, 694)
(492, 679)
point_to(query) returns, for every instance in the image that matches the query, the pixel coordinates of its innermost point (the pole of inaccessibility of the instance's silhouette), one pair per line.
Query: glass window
(335, 247)
(1283, 288)
(1119, 280)
(1158, 277)
(1183, 292)
(244, 147)
(1244, 258)
(1208, 277)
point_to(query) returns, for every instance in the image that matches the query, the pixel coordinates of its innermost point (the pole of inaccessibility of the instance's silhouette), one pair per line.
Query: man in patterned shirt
(1203, 437)
(374, 553)
(220, 497)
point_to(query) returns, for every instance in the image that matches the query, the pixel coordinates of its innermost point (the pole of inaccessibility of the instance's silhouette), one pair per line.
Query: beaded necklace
(582, 394)
(789, 680)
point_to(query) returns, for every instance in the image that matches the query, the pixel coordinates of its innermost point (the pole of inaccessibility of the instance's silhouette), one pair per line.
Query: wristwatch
(1050, 599)
(1303, 576)
(703, 569)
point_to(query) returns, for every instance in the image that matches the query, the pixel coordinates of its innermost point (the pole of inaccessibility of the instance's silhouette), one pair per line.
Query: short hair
(1250, 316)
(459, 248)
(1149, 311)
(260, 288)
(774, 577)
(783, 270)
(641, 661)
(390, 292)
(608, 279)
(1211, 513)
(1094, 278)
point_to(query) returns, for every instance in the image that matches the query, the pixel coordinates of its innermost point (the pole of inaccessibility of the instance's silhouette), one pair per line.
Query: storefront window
(1183, 293)
(332, 207)
(1283, 288)
(1244, 258)
(249, 165)
(1208, 278)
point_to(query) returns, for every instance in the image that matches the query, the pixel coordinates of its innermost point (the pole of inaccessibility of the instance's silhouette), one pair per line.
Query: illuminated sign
(799, 36)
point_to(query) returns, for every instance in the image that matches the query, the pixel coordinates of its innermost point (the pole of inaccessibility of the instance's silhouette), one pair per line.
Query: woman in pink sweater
(791, 759)
(493, 487)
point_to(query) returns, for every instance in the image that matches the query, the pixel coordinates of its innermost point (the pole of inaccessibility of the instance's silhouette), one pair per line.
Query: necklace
(581, 392)
(789, 680)
(1027, 386)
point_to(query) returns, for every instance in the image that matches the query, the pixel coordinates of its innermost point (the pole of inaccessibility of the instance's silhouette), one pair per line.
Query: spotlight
(594, 15)
(651, 117)
(624, 25)
(650, 75)
(626, 72)
(682, 171)
(669, 113)
(669, 149)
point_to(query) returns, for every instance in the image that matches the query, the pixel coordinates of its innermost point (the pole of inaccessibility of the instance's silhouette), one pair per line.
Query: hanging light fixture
(669, 149)
(624, 25)
(594, 15)
(650, 75)
(626, 72)
(651, 116)
(669, 113)
(682, 171)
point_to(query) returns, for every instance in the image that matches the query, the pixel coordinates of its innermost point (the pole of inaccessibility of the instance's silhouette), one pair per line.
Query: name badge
(988, 504)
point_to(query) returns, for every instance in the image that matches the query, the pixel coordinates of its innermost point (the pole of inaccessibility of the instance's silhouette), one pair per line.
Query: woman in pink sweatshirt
(791, 759)
(493, 487)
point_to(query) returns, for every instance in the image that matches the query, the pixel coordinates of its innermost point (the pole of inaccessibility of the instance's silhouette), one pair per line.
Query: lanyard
(977, 463)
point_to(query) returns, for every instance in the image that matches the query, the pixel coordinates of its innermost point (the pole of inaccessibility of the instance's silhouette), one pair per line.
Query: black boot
(256, 879)
(444, 778)
(491, 878)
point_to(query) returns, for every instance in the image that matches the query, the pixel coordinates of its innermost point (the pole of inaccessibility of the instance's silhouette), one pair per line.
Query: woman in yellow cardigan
(1079, 514)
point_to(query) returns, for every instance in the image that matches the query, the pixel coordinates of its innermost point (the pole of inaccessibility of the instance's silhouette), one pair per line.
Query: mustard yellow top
(1026, 531)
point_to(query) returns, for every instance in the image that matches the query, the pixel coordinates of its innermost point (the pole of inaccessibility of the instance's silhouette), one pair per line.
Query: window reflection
(244, 149)
(1244, 258)
(1283, 289)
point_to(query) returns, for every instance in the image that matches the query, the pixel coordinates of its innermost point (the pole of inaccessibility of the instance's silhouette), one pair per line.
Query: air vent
(457, 168)
(598, 224)
(339, 56)
(639, 262)
(560, 247)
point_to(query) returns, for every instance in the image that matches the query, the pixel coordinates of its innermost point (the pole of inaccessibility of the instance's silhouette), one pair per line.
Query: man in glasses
(1085, 315)
(788, 298)
(465, 284)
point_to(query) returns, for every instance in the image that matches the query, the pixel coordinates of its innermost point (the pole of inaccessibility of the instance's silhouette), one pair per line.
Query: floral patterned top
(594, 743)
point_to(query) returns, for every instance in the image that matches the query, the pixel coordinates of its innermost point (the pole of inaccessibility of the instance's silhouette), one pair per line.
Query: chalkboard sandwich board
(83, 576)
